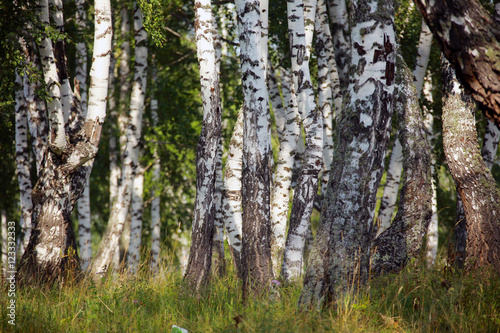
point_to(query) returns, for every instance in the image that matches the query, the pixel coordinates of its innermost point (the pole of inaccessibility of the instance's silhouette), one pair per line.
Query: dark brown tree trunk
(403, 239)
(470, 39)
(473, 180)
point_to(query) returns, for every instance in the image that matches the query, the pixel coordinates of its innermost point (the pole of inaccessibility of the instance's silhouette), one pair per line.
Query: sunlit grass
(416, 300)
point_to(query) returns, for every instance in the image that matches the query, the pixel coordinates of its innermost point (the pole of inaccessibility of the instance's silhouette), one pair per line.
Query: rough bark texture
(473, 180)
(312, 119)
(470, 39)
(256, 244)
(403, 240)
(340, 254)
(51, 254)
(200, 256)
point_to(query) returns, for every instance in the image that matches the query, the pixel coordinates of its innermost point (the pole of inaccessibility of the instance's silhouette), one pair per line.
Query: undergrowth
(415, 300)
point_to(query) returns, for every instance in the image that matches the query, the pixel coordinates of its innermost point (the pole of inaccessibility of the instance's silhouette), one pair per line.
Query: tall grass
(416, 300)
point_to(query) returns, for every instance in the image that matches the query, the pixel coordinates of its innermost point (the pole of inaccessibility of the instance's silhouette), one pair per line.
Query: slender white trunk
(327, 72)
(341, 42)
(312, 119)
(57, 134)
(134, 253)
(155, 203)
(256, 250)
(423, 56)
(119, 210)
(200, 257)
(231, 196)
(84, 222)
(276, 102)
(280, 196)
(22, 164)
(391, 187)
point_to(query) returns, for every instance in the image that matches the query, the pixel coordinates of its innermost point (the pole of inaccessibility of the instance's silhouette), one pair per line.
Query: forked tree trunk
(312, 120)
(473, 180)
(200, 256)
(256, 250)
(51, 254)
(340, 254)
(403, 239)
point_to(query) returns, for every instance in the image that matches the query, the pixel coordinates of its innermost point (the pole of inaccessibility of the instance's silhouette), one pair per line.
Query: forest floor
(416, 300)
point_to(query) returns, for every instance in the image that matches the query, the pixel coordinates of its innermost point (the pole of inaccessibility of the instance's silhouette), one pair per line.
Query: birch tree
(63, 176)
(119, 210)
(22, 162)
(312, 119)
(81, 76)
(231, 196)
(200, 256)
(403, 239)
(256, 249)
(473, 180)
(340, 254)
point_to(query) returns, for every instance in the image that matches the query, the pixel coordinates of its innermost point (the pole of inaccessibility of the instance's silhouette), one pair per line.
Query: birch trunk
(22, 163)
(62, 177)
(5, 246)
(341, 42)
(391, 188)
(256, 249)
(200, 256)
(231, 195)
(475, 184)
(307, 184)
(280, 196)
(84, 236)
(134, 249)
(57, 134)
(118, 215)
(403, 239)
(327, 73)
(340, 254)
(155, 203)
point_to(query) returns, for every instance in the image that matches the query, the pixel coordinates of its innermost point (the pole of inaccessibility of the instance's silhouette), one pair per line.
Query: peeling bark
(470, 39)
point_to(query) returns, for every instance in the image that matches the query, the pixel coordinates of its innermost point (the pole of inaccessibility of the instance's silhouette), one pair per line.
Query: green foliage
(417, 300)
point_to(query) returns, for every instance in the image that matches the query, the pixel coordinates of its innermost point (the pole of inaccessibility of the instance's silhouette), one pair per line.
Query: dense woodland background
(170, 27)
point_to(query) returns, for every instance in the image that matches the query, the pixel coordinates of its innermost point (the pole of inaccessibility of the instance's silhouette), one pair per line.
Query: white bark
(155, 203)
(280, 196)
(200, 257)
(57, 135)
(327, 73)
(97, 102)
(134, 253)
(84, 221)
(231, 198)
(256, 251)
(423, 56)
(22, 163)
(307, 184)
(341, 41)
(490, 143)
(391, 188)
(276, 102)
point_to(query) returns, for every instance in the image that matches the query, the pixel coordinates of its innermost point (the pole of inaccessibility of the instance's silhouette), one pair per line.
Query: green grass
(416, 300)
